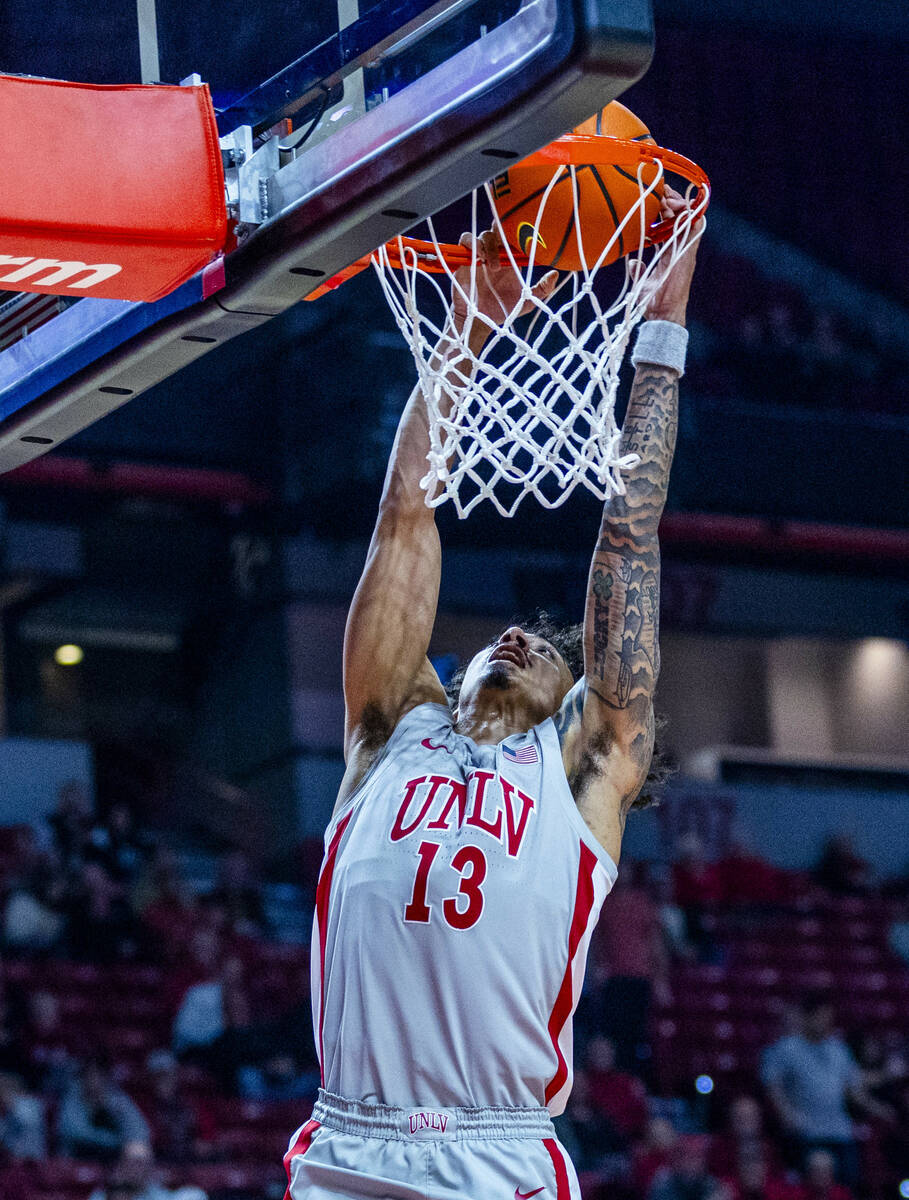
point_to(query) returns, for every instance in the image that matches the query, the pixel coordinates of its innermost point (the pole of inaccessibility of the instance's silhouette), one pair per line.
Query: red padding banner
(107, 191)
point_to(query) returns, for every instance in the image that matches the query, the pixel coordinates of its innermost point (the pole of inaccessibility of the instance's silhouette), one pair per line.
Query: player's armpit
(366, 739)
(568, 721)
(606, 761)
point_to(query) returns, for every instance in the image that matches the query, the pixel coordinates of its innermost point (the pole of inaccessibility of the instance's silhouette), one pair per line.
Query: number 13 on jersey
(470, 864)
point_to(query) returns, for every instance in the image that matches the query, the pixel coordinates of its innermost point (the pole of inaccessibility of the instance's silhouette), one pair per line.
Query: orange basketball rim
(572, 149)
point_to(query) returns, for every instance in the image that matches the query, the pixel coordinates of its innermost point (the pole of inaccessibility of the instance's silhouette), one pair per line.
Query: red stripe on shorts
(299, 1146)
(563, 1188)
(323, 892)
(562, 1008)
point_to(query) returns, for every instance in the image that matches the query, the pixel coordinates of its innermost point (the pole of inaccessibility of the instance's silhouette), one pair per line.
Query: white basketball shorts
(353, 1150)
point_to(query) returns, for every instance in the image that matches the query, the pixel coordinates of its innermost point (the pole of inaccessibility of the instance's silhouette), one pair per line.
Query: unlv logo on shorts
(430, 1123)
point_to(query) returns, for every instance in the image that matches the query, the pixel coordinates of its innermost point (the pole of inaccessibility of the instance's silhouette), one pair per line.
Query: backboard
(401, 108)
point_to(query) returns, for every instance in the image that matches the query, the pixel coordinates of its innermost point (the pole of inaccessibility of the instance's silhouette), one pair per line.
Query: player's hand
(669, 298)
(498, 286)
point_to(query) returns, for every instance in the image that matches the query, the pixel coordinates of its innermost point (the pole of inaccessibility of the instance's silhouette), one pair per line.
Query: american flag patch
(525, 754)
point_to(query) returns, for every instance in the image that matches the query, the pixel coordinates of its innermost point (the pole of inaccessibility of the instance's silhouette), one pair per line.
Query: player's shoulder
(378, 739)
(431, 714)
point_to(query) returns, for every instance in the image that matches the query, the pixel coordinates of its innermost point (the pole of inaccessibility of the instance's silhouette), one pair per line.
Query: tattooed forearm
(621, 632)
(649, 431)
(623, 610)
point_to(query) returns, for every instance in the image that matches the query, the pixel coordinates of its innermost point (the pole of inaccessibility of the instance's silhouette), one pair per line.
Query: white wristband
(662, 343)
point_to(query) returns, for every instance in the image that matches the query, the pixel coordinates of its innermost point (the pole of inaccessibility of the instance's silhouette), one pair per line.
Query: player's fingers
(491, 238)
(544, 288)
(474, 245)
(489, 241)
(671, 195)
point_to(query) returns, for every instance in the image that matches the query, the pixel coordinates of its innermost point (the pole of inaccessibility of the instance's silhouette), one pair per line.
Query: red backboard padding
(120, 190)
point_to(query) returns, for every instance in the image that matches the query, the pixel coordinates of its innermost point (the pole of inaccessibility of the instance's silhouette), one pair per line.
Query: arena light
(879, 667)
(68, 655)
(704, 1085)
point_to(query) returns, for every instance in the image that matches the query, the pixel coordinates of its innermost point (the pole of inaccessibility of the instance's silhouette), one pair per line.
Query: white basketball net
(534, 412)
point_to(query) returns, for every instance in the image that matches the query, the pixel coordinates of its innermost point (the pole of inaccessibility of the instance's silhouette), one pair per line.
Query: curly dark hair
(569, 641)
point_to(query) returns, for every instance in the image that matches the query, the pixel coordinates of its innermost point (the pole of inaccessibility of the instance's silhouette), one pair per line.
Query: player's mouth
(509, 653)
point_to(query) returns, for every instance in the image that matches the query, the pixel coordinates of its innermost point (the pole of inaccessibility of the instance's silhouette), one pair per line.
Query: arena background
(162, 800)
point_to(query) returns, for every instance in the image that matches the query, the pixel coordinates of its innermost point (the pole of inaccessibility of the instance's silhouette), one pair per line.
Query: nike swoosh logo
(519, 1195)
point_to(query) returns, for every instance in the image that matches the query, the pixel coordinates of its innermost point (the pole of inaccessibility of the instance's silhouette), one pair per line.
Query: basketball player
(470, 851)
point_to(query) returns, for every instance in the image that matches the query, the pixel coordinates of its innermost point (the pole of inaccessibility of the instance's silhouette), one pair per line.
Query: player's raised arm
(607, 723)
(391, 618)
(386, 671)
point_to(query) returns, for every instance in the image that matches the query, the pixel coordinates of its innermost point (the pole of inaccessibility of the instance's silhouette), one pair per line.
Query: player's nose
(516, 635)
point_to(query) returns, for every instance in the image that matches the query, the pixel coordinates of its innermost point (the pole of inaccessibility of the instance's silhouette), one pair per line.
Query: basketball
(605, 195)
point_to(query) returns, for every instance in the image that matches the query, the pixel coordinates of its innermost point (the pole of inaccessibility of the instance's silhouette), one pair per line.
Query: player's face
(524, 665)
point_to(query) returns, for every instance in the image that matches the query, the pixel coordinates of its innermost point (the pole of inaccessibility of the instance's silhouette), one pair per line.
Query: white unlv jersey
(458, 893)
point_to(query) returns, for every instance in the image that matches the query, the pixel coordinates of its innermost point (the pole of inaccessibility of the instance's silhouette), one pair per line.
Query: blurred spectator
(884, 1063)
(32, 920)
(240, 1042)
(96, 1118)
(621, 1097)
(240, 896)
(50, 1067)
(101, 927)
(181, 1130)
(673, 924)
(273, 1059)
(118, 846)
(754, 1180)
(696, 881)
(653, 1154)
(743, 1139)
(200, 1019)
(820, 1179)
(841, 870)
(629, 962)
(697, 885)
(587, 1134)
(809, 1077)
(133, 1178)
(70, 823)
(22, 1126)
(686, 1178)
(199, 964)
(280, 1077)
(213, 1015)
(166, 905)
